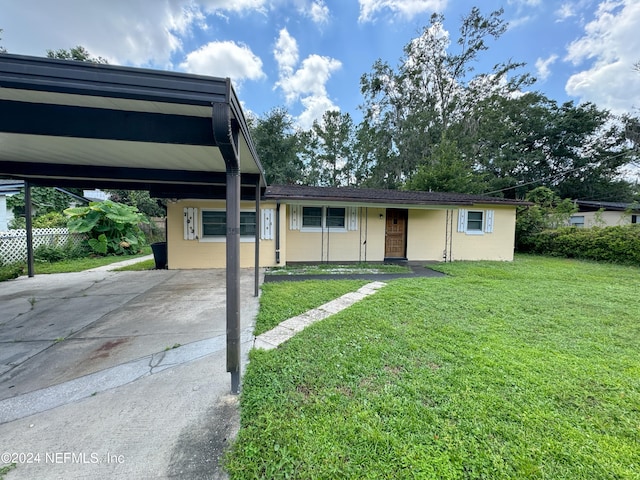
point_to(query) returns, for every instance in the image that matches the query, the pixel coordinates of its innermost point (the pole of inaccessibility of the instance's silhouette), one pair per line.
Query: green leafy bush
(70, 251)
(619, 244)
(112, 228)
(14, 270)
(48, 220)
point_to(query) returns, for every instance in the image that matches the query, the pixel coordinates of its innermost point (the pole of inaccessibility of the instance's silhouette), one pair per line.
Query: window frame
(223, 237)
(574, 224)
(474, 231)
(324, 215)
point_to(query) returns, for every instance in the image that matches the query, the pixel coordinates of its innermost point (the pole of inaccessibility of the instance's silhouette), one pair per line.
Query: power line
(552, 177)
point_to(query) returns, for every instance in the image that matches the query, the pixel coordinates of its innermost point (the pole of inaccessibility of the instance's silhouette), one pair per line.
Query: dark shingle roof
(597, 205)
(379, 196)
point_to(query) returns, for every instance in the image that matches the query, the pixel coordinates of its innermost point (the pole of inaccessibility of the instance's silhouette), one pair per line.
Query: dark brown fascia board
(396, 201)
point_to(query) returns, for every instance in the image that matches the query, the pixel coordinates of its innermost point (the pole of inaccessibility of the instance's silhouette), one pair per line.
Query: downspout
(257, 242)
(278, 233)
(29, 227)
(328, 233)
(225, 134)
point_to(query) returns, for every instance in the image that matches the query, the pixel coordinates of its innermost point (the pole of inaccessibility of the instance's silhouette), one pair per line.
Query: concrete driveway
(117, 374)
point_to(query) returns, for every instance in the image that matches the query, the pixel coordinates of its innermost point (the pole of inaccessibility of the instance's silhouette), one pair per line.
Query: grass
(280, 301)
(145, 265)
(523, 370)
(6, 469)
(332, 269)
(66, 266)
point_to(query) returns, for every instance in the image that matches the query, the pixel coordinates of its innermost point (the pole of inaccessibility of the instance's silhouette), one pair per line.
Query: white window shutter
(488, 226)
(295, 212)
(266, 224)
(462, 220)
(352, 218)
(190, 224)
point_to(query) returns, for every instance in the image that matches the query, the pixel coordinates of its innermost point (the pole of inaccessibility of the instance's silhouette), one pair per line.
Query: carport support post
(225, 133)
(29, 227)
(233, 279)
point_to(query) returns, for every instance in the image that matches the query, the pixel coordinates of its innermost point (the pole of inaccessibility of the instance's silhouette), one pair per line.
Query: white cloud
(224, 59)
(608, 50)
(543, 67)
(286, 53)
(566, 10)
(310, 78)
(406, 9)
(525, 3)
(305, 82)
(140, 33)
(319, 12)
(314, 109)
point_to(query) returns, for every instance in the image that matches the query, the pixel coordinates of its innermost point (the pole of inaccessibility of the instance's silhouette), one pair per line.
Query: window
(324, 218)
(474, 221)
(335, 217)
(312, 217)
(634, 218)
(214, 224)
(577, 221)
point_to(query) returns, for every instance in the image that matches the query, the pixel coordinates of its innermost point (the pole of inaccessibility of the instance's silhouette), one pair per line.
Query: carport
(74, 124)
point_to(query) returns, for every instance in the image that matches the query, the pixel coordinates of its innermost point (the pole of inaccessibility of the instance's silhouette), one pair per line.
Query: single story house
(604, 214)
(302, 224)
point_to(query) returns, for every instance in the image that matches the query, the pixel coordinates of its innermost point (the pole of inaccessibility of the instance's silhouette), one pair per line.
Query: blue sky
(309, 55)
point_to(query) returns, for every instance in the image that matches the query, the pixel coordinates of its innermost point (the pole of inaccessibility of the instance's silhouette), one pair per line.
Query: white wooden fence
(13, 244)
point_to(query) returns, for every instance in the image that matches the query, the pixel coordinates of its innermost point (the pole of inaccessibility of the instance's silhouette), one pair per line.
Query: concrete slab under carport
(115, 382)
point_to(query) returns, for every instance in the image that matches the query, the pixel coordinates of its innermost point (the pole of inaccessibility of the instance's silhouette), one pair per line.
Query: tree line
(433, 123)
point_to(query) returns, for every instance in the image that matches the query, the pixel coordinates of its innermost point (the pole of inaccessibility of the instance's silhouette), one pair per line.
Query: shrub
(14, 270)
(45, 253)
(112, 227)
(619, 244)
(48, 254)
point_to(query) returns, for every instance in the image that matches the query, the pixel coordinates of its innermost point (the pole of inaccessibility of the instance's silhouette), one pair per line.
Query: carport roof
(68, 123)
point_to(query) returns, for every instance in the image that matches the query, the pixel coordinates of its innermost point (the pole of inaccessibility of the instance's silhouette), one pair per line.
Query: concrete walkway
(125, 263)
(287, 329)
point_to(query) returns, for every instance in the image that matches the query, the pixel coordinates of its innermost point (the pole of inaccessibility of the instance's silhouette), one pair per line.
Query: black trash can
(160, 254)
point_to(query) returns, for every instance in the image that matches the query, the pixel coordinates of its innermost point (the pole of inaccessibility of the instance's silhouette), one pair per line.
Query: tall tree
(331, 159)
(278, 146)
(523, 142)
(411, 109)
(2, 49)
(78, 53)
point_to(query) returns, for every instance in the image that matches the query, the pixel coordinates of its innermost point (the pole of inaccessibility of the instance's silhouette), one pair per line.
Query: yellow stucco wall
(425, 238)
(498, 245)
(208, 254)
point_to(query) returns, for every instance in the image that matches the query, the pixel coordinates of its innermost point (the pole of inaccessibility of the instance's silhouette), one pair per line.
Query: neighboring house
(329, 224)
(604, 214)
(7, 188)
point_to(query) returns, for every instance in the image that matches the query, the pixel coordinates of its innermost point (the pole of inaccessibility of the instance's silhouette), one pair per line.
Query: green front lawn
(528, 369)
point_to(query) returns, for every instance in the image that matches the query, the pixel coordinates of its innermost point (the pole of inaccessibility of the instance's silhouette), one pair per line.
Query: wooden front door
(395, 244)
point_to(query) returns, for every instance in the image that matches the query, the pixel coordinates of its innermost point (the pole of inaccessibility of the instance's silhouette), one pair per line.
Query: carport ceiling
(67, 123)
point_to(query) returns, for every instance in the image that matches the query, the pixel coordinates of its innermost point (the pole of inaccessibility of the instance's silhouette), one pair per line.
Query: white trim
(352, 218)
(462, 220)
(488, 222)
(295, 218)
(323, 221)
(190, 223)
(223, 238)
(266, 224)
